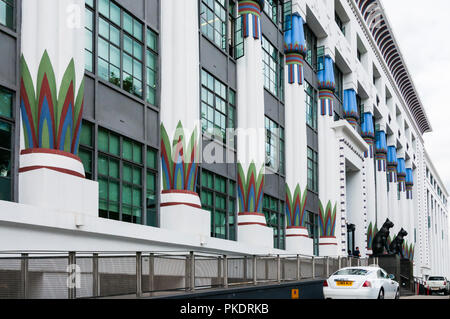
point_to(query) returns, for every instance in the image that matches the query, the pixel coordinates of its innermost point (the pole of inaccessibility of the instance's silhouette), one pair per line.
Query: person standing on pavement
(357, 253)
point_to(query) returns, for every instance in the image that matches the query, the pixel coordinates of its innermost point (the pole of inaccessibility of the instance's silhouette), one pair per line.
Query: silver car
(361, 283)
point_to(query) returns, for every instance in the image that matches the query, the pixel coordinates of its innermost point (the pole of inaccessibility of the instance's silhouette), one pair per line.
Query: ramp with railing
(42, 275)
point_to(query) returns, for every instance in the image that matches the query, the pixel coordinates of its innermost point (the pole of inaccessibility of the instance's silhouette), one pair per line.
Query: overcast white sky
(422, 31)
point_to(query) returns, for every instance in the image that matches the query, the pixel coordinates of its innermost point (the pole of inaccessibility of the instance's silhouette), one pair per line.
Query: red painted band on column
(49, 151)
(60, 170)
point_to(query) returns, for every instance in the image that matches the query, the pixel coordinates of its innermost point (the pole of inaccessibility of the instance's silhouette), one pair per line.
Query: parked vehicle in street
(437, 284)
(361, 283)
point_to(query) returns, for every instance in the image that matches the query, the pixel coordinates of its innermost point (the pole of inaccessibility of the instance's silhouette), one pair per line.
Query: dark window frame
(278, 134)
(311, 45)
(8, 121)
(277, 58)
(279, 235)
(339, 80)
(229, 195)
(139, 161)
(11, 13)
(313, 167)
(229, 114)
(311, 103)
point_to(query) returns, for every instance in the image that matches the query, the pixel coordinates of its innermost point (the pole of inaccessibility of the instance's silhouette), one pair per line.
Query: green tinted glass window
(86, 134)
(121, 181)
(7, 13)
(5, 160)
(5, 103)
(114, 146)
(112, 20)
(220, 201)
(217, 113)
(151, 159)
(151, 68)
(213, 21)
(86, 158)
(274, 211)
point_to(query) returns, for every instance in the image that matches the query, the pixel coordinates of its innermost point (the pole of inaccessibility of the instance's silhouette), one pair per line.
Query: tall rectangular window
(152, 66)
(339, 79)
(86, 151)
(311, 106)
(271, 8)
(231, 28)
(120, 48)
(339, 23)
(218, 195)
(275, 217)
(311, 45)
(132, 55)
(151, 193)
(313, 171)
(89, 35)
(217, 107)
(312, 224)
(275, 152)
(6, 144)
(7, 13)
(120, 176)
(272, 63)
(213, 21)
(361, 111)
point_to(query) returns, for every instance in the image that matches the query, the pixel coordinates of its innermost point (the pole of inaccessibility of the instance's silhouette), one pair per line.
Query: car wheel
(397, 294)
(381, 294)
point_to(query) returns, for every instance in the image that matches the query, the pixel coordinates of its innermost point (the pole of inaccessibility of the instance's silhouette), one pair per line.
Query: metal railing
(92, 275)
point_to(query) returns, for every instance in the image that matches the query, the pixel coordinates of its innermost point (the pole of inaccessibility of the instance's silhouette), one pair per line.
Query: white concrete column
(393, 213)
(180, 119)
(297, 237)
(381, 178)
(368, 134)
(251, 134)
(52, 73)
(403, 221)
(328, 161)
(52, 100)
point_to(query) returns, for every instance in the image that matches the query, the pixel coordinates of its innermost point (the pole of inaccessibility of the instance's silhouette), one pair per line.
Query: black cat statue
(380, 241)
(396, 247)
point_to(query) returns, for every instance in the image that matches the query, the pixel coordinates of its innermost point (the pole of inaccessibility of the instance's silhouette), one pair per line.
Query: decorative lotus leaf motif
(371, 232)
(179, 161)
(51, 118)
(295, 207)
(250, 189)
(327, 220)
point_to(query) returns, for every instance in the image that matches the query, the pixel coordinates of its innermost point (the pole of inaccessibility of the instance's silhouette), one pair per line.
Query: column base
(186, 219)
(172, 198)
(298, 241)
(253, 230)
(58, 161)
(328, 246)
(55, 190)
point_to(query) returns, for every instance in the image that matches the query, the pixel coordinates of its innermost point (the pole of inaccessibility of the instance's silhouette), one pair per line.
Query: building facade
(247, 127)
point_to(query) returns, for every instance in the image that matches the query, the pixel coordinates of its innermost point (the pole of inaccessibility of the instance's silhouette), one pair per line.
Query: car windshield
(436, 279)
(351, 272)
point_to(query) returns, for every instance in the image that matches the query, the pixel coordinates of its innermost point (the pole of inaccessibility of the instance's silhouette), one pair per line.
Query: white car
(361, 283)
(436, 284)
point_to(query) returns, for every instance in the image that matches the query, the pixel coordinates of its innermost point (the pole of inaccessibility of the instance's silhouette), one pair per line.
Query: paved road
(427, 297)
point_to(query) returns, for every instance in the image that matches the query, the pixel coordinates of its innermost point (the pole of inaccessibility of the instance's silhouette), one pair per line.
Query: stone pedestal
(253, 230)
(186, 219)
(328, 246)
(391, 264)
(55, 180)
(298, 241)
